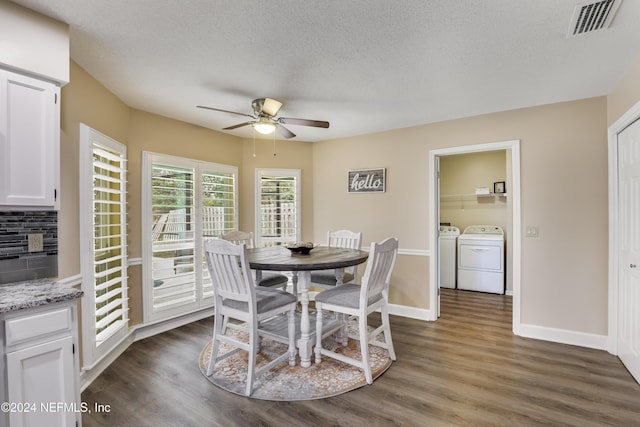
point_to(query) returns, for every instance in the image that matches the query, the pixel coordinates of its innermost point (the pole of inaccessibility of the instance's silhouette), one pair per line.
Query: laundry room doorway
(464, 192)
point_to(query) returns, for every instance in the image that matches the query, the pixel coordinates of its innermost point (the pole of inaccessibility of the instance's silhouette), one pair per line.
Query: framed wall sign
(367, 180)
(499, 187)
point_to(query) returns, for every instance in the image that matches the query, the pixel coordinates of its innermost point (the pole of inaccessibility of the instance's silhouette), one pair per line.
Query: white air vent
(592, 16)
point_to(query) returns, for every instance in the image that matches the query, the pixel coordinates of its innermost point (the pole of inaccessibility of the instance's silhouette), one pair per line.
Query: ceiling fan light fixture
(264, 128)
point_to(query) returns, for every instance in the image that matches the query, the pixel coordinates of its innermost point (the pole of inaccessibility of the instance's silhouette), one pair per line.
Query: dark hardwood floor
(465, 369)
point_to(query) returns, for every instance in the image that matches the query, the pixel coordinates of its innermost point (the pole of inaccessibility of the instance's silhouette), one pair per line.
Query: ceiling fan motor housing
(266, 107)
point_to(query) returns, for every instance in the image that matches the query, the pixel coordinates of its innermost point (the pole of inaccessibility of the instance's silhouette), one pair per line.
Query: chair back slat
(238, 237)
(229, 270)
(344, 239)
(377, 275)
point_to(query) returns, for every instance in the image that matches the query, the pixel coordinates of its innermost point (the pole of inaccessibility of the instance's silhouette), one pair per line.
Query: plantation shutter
(218, 213)
(278, 211)
(103, 243)
(173, 244)
(110, 252)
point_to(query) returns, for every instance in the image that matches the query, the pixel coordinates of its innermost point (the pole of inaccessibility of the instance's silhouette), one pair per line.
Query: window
(185, 201)
(103, 246)
(277, 206)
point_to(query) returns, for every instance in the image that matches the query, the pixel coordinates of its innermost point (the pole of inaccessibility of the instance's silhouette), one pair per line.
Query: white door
(629, 248)
(439, 255)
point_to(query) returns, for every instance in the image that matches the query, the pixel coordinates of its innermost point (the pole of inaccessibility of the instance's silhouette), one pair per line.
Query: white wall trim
(410, 312)
(417, 252)
(582, 339)
(625, 120)
(135, 261)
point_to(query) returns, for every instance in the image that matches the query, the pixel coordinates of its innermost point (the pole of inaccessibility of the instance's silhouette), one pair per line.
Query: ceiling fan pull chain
(254, 143)
(274, 144)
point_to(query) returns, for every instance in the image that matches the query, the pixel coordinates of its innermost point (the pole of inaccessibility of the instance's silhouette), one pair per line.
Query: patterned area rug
(285, 383)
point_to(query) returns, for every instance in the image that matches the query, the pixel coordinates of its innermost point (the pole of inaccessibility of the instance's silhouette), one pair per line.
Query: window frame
(203, 299)
(297, 175)
(92, 350)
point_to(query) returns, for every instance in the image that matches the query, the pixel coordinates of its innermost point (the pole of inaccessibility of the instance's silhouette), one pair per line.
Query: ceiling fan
(264, 118)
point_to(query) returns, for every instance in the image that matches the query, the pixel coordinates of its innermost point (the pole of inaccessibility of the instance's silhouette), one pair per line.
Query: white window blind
(278, 216)
(173, 244)
(219, 213)
(104, 250)
(187, 202)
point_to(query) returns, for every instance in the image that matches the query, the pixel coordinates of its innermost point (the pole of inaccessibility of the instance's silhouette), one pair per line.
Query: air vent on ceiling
(592, 16)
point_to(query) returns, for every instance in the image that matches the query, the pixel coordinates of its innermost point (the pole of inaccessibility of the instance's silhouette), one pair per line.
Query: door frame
(618, 126)
(516, 232)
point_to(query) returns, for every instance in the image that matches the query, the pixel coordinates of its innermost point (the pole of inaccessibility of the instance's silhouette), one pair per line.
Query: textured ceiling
(364, 66)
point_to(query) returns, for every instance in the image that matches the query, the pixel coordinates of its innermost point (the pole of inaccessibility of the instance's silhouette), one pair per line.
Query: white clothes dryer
(481, 259)
(448, 239)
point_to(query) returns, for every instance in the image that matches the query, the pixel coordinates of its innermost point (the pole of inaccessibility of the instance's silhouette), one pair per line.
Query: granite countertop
(34, 293)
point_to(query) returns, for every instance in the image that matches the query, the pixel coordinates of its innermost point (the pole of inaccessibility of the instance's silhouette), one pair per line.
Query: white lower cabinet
(41, 372)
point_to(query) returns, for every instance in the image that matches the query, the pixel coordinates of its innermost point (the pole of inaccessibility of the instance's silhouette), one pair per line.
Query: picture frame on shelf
(499, 187)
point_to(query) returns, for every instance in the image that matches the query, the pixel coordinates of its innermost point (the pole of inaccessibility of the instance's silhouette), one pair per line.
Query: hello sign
(366, 181)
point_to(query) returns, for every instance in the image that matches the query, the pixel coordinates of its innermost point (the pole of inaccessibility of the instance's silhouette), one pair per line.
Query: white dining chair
(359, 301)
(237, 297)
(338, 239)
(263, 278)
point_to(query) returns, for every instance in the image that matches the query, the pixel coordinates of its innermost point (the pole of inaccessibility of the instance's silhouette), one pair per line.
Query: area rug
(286, 383)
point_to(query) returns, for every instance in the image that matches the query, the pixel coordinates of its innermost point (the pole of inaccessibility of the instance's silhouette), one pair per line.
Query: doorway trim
(618, 126)
(516, 232)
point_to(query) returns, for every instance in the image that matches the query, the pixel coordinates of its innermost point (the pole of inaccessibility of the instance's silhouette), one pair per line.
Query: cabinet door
(29, 141)
(40, 379)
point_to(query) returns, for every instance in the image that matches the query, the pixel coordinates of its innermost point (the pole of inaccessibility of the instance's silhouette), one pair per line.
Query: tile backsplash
(16, 262)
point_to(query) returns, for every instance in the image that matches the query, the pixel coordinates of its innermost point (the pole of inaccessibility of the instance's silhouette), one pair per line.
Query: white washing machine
(481, 259)
(448, 239)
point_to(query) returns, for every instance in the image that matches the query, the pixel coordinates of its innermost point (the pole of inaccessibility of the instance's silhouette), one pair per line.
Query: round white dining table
(279, 258)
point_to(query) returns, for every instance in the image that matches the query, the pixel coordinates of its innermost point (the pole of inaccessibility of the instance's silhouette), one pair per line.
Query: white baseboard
(410, 312)
(136, 333)
(88, 375)
(563, 336)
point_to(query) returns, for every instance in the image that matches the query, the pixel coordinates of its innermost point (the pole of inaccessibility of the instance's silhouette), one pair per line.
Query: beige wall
(563, 175)
(459, 176)
(564, 192)
(85, 101)
(625, 94)
(290, 154)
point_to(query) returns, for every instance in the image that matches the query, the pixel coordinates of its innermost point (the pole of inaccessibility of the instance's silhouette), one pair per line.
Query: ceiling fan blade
(224, 111)
(271, 106)
(284, 131)
(303, 122)
(237, 126)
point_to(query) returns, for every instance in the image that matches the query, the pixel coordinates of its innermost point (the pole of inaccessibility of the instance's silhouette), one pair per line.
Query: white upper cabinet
(29, 142)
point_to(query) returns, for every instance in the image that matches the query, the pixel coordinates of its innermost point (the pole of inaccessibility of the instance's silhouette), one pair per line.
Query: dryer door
(484, 257)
